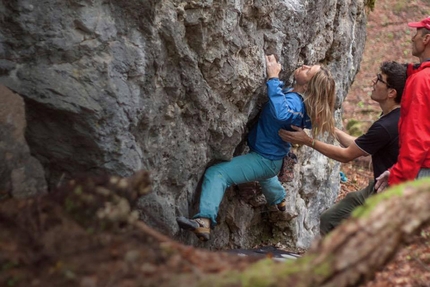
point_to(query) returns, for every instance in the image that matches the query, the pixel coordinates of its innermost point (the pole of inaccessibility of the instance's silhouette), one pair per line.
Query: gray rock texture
(21, 174)
(169, 86)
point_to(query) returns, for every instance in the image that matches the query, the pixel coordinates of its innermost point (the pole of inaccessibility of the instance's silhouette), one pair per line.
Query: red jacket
(414, 126)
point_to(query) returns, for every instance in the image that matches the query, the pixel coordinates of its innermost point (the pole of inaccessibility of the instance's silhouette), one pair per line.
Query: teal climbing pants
(241, 169)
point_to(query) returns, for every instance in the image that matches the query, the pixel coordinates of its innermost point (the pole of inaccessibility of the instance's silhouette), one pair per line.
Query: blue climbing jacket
(283, 109)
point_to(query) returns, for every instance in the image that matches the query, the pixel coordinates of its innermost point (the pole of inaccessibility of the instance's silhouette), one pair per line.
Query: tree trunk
(72, 238)
(352, 253)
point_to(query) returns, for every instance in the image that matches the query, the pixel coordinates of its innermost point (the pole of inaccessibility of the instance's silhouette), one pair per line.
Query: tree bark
(37, 233)
(354, 251)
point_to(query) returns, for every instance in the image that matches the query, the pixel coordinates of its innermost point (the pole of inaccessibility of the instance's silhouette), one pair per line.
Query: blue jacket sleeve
(283, 107)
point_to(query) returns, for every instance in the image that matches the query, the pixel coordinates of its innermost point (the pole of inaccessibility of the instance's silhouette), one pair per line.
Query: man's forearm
(331, 151)
(343, 138)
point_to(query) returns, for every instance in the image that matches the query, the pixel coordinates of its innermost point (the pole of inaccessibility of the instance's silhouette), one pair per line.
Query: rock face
(169, 86)
(20, 174)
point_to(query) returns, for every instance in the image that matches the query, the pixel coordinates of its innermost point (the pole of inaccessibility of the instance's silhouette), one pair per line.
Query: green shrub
(355, 128)
(370, 4)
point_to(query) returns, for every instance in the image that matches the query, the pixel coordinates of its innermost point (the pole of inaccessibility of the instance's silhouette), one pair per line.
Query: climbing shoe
(200, 226)
(282, 206)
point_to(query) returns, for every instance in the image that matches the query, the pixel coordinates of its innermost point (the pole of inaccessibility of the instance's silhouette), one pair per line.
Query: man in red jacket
(414, 124)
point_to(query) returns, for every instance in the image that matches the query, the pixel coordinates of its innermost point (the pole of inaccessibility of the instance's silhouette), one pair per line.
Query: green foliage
(425, 234)
(252, 277)
(370, 204)
(400, 6)
(267, 272)
(390, 36)
(70, 205)
(354, 128)
(351, 123)
(12, 281)
(370, 4)
(368, 111)
(9, 265)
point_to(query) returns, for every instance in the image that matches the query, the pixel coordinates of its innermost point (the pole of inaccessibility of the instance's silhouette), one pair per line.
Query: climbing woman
(311, 99)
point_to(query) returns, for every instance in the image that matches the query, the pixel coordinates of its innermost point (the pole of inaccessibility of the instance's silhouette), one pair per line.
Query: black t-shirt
(382, 142)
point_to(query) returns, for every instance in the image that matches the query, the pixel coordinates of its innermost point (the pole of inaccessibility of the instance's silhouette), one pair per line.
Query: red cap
(421, 24)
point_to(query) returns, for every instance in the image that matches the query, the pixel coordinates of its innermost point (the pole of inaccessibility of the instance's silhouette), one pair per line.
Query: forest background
(388, 39)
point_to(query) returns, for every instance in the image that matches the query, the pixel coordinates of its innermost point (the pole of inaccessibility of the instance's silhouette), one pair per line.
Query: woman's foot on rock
(200, 226)
(282, 206)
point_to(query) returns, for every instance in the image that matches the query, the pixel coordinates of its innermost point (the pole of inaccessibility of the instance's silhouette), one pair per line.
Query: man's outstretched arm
(298, 136)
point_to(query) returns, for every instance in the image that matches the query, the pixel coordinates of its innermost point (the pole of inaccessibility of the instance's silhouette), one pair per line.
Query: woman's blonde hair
(319, 100)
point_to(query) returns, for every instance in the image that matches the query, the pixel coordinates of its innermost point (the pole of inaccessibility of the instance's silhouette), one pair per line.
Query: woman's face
(305, 73)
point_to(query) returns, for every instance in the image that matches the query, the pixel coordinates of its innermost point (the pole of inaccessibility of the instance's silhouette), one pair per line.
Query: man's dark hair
(396, 77)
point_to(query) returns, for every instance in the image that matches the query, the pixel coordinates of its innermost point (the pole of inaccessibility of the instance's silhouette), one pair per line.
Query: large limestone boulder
(21, 174)
(169, 86)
